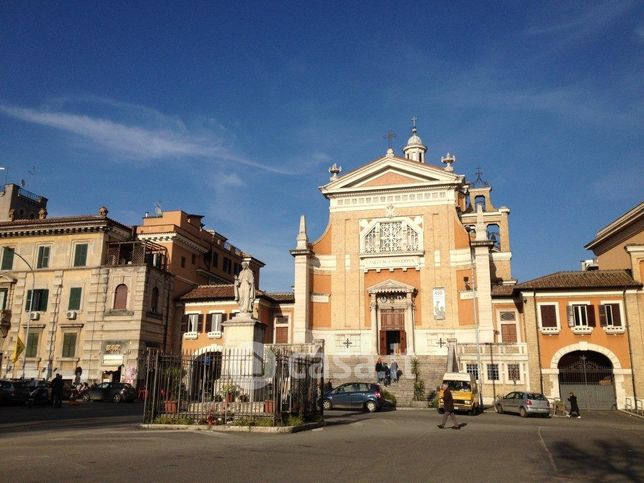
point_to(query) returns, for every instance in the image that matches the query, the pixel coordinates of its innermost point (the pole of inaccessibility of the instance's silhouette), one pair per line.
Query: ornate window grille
(391, 237)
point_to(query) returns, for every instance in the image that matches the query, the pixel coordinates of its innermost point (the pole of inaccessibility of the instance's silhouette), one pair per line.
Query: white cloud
(137, 142)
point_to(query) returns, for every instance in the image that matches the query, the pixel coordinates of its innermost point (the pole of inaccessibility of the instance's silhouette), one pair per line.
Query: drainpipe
(536, 327)
(167, 313)
(630, 352)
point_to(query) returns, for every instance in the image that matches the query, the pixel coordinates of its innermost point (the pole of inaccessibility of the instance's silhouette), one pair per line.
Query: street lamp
(30, 310)
(479, 367)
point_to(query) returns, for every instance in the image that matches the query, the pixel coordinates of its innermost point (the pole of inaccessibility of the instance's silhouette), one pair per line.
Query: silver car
(523, 403)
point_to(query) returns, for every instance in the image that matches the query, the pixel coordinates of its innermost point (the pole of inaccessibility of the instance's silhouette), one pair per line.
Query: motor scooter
(38, 397)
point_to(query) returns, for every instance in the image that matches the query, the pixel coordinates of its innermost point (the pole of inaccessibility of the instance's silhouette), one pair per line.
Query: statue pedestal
(243, 337)
(242, 331)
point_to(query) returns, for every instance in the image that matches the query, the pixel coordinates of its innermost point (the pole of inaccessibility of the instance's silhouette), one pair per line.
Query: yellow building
(103, 292)
(79, 292)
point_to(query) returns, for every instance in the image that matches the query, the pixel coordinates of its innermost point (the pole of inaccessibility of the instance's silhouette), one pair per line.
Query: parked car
(14, 391)
(112, 391)
(523, 403)
(355, 395)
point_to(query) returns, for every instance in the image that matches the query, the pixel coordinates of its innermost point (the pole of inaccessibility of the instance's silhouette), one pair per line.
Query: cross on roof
(479, 179)
(389, 136)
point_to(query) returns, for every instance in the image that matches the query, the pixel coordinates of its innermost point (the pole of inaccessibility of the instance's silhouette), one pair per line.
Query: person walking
(380, 371)
(57, 391)
(574, 408)
(393, 370)
(448, 408)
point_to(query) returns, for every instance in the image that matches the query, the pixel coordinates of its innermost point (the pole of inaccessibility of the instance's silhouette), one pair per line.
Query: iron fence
(219, 387)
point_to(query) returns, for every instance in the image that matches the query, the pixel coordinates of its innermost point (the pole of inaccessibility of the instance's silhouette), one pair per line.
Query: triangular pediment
(390, 286)
(391, 172)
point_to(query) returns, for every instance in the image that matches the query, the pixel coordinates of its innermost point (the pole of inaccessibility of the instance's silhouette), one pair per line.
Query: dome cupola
(415, 149)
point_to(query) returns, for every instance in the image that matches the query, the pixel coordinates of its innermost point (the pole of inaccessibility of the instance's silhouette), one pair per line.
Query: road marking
(550, 457)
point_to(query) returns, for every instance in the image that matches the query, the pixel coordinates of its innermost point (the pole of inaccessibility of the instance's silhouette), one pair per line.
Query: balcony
(137, 253)
(581, 330)
(614, 329)
(550, 330)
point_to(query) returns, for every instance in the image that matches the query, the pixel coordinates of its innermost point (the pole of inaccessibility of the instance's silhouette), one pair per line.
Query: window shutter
(200, 323)
(590, 312)
(184, 323)
(571, 316)
(44, 299)
(617, 319)
(74, 298)
(602, 315)
(548, 316)
(508, 333)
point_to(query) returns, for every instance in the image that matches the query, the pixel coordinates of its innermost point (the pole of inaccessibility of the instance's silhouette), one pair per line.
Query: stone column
(301, 283)
(409, 325)
(375, 337)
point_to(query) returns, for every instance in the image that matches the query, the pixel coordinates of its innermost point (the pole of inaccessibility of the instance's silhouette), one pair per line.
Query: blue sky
(235, 110)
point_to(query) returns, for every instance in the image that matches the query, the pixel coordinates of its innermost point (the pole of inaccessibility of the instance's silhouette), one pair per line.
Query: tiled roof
(227, 291)
(202, 292)
(502, 290)
(586, 279)
(281, 296)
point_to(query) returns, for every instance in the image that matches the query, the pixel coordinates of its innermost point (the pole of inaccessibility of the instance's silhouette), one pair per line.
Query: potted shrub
(230, 390)
(172, 380)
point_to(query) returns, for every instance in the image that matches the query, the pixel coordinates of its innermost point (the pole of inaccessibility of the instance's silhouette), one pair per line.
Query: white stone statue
(245, 289)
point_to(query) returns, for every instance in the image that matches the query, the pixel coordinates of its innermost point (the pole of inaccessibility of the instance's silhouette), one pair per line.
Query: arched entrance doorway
(392, 317)
(589, 375)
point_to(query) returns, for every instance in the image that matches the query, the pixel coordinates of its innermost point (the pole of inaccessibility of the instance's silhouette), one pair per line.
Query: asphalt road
(102, 442)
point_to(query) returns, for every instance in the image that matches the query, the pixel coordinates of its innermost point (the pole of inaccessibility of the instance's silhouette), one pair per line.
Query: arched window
(120, 297)
(494, 234)
(154, 302)
(479, 200)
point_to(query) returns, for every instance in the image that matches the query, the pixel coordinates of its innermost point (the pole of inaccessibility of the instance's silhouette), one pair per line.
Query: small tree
(419, 384)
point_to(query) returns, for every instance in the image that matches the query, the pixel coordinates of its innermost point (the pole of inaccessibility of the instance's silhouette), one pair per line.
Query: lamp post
(476, 319)
(30, 310)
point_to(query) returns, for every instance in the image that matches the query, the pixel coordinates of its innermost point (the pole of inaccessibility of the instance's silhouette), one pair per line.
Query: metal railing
(635, 406)
(222, 387)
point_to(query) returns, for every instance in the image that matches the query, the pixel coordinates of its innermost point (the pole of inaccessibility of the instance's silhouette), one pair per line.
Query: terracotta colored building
(415, 261)
(584, 329)
(208, 307)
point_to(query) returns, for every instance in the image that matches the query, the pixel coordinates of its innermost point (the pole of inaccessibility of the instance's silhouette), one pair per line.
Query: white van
(464, 390)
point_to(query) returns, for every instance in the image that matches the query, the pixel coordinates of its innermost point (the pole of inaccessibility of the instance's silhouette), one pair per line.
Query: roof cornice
(628, 218)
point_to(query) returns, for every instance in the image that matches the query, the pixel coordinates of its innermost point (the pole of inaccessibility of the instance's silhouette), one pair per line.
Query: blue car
(354, 395)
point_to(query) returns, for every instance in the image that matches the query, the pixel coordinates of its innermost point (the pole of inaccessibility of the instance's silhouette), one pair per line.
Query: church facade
(413, 257)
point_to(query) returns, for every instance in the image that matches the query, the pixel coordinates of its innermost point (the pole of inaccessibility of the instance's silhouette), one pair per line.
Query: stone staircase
(340, 369)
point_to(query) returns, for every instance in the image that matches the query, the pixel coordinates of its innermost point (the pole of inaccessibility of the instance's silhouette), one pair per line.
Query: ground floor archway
(590, 376)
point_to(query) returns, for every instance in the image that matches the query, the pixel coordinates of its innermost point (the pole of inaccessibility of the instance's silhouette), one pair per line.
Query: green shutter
(32, 345)
(43, 257)
(69, 345)
(80, 255)
(74, 298)
(7, 258)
